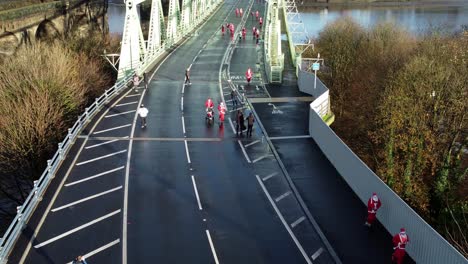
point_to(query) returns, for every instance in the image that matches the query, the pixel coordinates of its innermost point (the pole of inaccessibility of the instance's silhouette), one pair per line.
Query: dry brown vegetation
(401, 105)
(43, 89)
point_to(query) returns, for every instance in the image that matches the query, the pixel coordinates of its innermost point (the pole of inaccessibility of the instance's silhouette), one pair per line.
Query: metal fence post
(36, 191)
(49, 169)
(20, 216)
(60, 150)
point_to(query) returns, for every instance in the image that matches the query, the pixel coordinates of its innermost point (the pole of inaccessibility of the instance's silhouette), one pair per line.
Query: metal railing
(25, 211)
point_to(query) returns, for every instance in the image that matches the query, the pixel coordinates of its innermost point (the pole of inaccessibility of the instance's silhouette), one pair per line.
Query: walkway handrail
(25, 211)
(426, 244)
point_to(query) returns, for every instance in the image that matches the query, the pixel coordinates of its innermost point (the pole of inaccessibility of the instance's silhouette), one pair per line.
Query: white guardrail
(25, 211)
(426, 245)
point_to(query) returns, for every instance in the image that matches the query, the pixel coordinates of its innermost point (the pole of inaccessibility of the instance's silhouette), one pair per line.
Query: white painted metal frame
(133, 48)
(156, 28)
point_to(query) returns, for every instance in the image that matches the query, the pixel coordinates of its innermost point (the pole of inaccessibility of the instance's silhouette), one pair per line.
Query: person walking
(260, 22)
(257, 35)
(372, 206)
(222, 111)
(143, 113)
(145, 79)
(187, 76)
(240, 123)
(79, 260)
(233, 99)
(399, 244)
(250, 122)
(248, 75)
(222, 30)
(136, 81)
(241, 12)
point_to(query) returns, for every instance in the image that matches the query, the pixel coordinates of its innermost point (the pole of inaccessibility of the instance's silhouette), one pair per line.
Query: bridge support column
(173, 19)
(133, 43)
(156, 28)
(186, 15)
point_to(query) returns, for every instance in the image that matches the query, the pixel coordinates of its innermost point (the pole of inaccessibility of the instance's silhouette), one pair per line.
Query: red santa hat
(374, 197)
(402, 230)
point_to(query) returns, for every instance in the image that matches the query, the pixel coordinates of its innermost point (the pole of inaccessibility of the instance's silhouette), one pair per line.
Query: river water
(416, 19)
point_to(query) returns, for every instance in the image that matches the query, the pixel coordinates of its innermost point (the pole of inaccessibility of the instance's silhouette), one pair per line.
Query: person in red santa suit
(241, 12)
(248, 75)
(209, 104)
(399, 244)
(254, 31)
(237, 12)
(244, 31)
(222, 30)
(372, 206)
(256, 15)
(222, 111)
(260, 21)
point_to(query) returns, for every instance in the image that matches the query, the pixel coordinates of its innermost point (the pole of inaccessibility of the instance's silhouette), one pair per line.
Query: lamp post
(316, 67)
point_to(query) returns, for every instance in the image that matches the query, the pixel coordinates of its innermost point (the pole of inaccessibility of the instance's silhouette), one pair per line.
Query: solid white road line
(212, 247)
(132, 95)
(110, 129)
(232, 126)
(86, 199)
(317, 254)
(281, 197)
(196, 193)
(251, 143)
(94, 252)
(183, 124)
(269, 176)
(262, 157)
(290, 137)
(102, 157)
(299, 246)
(298, 221)
(182, 104)
(186, 151)
(136, 102)
(243, 150)
(123, 113)
(94, 176)
(104, 143)
(76, 229)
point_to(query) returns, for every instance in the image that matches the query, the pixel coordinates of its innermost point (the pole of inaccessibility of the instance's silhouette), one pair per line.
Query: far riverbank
(304, 4)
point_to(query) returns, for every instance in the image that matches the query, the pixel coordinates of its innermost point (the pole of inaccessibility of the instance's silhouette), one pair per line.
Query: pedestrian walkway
(338, 211)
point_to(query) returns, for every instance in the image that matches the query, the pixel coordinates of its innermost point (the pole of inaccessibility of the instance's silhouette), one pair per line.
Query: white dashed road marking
(110, 129)
(76, 229)
(94, 176)
(86, 199)
(102, 157)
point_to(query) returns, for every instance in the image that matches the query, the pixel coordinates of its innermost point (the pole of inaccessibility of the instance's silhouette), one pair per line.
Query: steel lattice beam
(156, 28)
(173, 19)
(133, 43)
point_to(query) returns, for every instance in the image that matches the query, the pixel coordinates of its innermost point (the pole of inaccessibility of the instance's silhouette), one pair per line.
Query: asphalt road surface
(177, 191)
